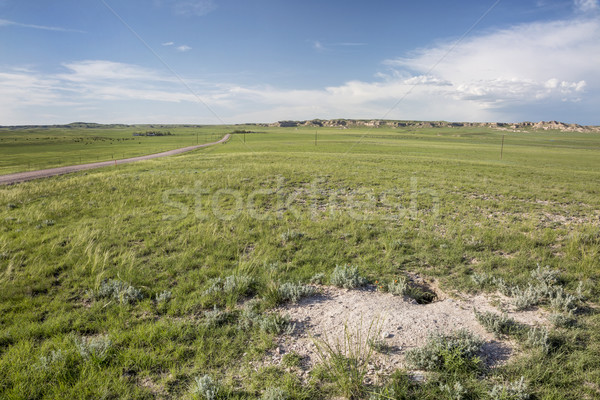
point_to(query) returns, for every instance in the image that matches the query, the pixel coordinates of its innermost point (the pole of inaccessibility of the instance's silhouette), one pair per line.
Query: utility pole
(244, 136)
(502, 147)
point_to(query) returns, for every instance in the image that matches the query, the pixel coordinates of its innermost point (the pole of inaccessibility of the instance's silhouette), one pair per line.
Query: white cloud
(5, 22)
(193, 7)
(100, 70)
(586, 5)
(183, 48)
(167, 44)
(525, 63)
(498, 76)
(318, 46)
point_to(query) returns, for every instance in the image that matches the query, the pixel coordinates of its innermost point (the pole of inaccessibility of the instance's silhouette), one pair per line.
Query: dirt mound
(400, 322)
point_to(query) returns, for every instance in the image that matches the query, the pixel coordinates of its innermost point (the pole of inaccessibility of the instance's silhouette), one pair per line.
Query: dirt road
(44, 173)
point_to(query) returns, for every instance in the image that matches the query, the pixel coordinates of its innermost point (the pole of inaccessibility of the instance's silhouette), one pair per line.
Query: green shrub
(497, 324)
(217, 317)
(117, 290)
(317, 278)
(205, 388)
(292, 359)
(238, 284)
(95, 348)
(562, 320)
(276, 324)
(525, 298)
(538, 337)
(545, 275)
(294, 291)
(230, 290)
(562, 301)
(348, 277)
(46, 362)
(482, 280)
(251, 314)
(163, 297)
(397, 287)
(454, 353)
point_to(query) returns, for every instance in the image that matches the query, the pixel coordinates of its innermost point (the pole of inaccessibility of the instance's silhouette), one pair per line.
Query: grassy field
(31, 148)
(129, 282)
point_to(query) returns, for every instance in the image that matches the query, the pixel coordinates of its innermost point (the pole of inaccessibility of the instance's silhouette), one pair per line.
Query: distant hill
(343, 123)
(347, 123)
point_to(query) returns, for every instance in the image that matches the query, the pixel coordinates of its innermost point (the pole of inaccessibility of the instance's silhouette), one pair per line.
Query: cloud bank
(527, 72)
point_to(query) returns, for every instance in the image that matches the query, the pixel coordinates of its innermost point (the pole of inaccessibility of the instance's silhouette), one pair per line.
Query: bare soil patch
(400, 322)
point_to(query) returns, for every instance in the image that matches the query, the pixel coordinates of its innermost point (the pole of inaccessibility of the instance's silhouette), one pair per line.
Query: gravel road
(10, 179)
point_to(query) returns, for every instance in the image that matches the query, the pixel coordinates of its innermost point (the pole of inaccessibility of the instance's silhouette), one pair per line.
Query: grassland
(276, 209)
(32, 148)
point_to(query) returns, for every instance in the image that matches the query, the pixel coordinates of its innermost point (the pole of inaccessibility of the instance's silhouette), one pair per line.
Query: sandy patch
(400, 322)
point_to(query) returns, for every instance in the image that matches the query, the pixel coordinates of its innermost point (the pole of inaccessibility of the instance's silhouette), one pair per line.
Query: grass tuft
(346, 361)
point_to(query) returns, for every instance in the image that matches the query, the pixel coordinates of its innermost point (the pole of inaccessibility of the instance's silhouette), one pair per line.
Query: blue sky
(235, 61)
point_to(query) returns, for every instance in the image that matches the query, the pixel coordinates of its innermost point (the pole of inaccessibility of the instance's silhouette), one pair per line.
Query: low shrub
(482, 280)
(562, 320)
(238, 284)
(205, 388)
(229, 290)
(217, 317)
(454, 353)
(397, 287)
(95, 348)
(55, 357)
(317, 279)
(510, 391)
(295, 291)
(163, 297)
(276, 324)
(347, 276)
(525, 298)
(117, 290)
(539, 338)
(546, 275)
(497, 324)
(292, 359)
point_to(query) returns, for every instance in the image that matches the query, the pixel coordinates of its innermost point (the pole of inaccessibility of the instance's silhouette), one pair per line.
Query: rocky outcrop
(374, 123)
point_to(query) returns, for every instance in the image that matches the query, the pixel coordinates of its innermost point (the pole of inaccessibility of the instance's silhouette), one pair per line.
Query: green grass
(31, 148)
(439, 202)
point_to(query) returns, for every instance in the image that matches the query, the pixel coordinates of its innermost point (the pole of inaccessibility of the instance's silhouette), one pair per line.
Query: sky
(237, 61)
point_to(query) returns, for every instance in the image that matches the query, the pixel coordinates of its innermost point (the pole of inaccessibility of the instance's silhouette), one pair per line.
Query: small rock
(385, 335)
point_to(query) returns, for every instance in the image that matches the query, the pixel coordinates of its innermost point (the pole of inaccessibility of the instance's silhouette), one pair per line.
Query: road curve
(10, 179)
